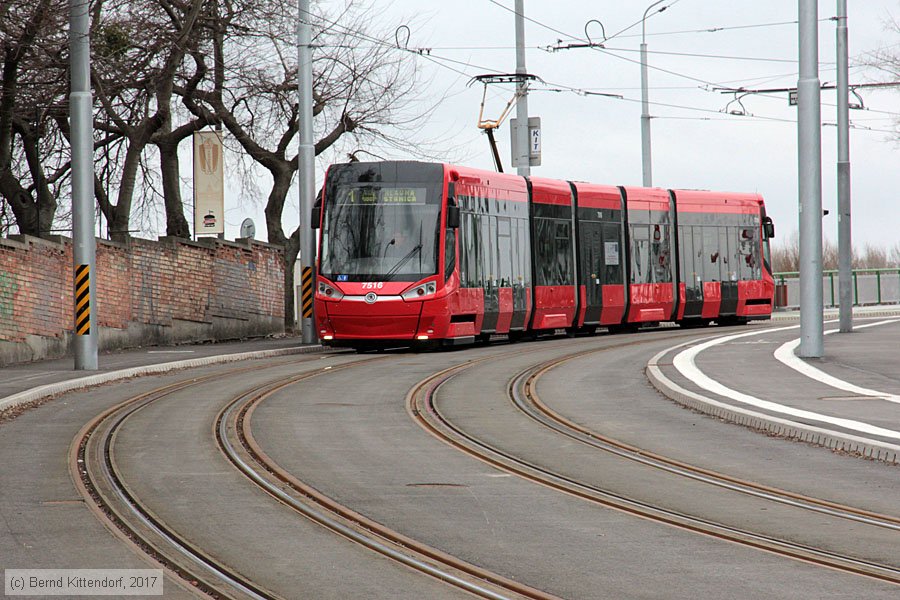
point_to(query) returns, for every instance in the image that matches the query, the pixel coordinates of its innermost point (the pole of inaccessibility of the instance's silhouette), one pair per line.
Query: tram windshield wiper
(405, 259)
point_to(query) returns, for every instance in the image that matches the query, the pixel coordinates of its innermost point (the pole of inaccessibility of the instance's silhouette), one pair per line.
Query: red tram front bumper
(386, 319)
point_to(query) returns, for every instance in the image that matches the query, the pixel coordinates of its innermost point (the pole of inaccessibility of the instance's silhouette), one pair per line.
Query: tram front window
(379, 233)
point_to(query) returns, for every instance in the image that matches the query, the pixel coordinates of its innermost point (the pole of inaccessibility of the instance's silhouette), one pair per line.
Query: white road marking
(684, 361)
(785, 354)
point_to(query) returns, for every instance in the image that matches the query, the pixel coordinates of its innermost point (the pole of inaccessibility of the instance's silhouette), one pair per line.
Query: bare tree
(895, 255)
(32, 163)
(162, 69)
(874, 257)
(886, 60)
(364, 92)
(149, 41)
(786, 254)
(829, 255)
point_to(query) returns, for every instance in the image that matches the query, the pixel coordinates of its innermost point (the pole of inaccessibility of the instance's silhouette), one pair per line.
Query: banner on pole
(209, 184)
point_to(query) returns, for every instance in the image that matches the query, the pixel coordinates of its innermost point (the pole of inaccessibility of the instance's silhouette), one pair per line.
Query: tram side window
(524, 254)
(488, 253)
(756, 261)
(449, 253)
(564, 267)
(712, 254)
(504, 250)
(726, 243)
(553, 252)
(736, 264)
(543, 251)
(470, 242)
(748, 250)
(660, 254)
(686, 255)
(463, 233)
(641, 271)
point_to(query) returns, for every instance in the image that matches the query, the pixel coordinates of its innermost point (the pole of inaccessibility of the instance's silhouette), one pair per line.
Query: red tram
(417, 253)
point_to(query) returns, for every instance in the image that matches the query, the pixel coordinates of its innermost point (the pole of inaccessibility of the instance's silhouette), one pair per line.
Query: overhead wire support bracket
(590, 43)
(853, 87)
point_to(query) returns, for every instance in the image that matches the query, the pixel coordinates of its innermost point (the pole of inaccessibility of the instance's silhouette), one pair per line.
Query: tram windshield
(380, 231)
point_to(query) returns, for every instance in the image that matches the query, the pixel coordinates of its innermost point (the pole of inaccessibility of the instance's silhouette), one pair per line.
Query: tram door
(691, 256)
(591, 276)
(490, 269)
(730, 267)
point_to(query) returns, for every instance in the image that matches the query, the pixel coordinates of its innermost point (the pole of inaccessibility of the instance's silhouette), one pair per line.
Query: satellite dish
(248, 229)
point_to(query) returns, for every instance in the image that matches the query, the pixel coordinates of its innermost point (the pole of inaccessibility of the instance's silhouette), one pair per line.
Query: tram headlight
(420, 291)
(329, 292)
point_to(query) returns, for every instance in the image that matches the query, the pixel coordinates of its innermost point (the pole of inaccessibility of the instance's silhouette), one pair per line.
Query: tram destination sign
(373, 195)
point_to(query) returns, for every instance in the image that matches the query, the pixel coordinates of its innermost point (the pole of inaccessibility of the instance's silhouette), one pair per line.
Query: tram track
(235, 436)
(523, 394)
(98, 479)
(423, 407)
(93, 467)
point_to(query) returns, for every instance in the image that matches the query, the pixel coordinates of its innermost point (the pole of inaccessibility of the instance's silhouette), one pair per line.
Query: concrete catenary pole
(306, 172)
(845, 245)
(84, 248)
(646, 160)
(809, 151)
(522, 137)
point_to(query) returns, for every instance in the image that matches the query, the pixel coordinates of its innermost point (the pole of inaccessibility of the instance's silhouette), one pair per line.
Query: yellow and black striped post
(83, 300)
(306, 293)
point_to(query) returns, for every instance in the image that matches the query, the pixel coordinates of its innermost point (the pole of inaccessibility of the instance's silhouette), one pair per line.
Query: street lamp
(646, 167)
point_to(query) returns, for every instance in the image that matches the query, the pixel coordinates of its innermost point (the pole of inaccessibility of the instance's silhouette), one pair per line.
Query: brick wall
(147, 293)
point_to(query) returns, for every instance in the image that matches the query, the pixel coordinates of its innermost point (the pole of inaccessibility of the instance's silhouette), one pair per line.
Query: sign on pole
(534, 141)
(209, 184)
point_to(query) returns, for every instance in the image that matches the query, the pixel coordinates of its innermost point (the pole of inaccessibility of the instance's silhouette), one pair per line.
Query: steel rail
(93, 468)
(422, 407)
(523, 394)
(236, 420)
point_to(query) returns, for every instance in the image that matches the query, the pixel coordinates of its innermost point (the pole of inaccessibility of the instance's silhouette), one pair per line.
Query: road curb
(852, 444)
(80, 383)
(794, 315)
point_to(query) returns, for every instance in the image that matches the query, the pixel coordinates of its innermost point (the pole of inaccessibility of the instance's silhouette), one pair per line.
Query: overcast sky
(695, 45)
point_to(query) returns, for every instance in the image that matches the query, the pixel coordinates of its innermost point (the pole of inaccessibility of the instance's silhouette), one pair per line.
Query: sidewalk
(848, 400)
(26, 382)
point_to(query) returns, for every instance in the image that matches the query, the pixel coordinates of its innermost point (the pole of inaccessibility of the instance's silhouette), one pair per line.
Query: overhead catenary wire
(599, 48)
(441, 60)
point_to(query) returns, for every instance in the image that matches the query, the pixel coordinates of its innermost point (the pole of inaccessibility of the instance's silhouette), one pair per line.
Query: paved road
(349, 435)
(353, 441)
(849, 400)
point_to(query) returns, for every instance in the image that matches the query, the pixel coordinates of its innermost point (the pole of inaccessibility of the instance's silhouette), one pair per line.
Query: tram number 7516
(372, 285)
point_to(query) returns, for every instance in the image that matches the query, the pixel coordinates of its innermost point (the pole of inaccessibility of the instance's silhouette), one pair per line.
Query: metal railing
(870, 286)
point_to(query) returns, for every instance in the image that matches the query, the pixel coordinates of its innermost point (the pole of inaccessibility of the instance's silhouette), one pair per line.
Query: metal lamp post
(845, 246)
(83, 242)
(521, 142)
(306, 172)
(809, 150)
(646, 166)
